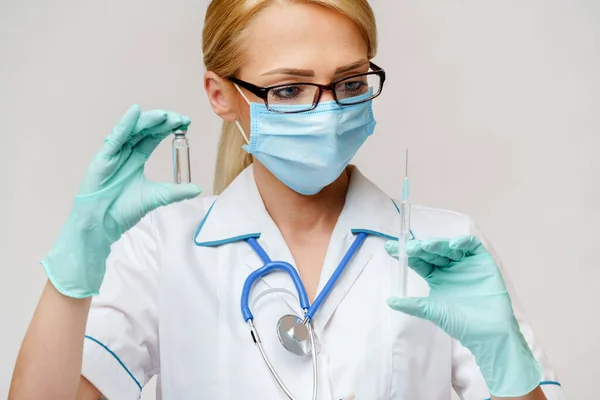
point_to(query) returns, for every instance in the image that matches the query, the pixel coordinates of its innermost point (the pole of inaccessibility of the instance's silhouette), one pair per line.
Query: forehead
(301, 36)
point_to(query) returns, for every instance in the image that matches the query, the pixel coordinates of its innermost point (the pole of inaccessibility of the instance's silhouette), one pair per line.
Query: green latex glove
(114, 196)
(468, 299)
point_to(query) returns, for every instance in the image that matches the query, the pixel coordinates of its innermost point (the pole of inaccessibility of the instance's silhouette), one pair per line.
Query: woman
(167, 269)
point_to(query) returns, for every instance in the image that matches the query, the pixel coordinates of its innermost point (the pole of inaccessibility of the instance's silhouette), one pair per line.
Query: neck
(298, 214)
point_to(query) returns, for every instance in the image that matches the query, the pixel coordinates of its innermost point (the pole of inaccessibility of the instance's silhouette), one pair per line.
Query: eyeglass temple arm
(256, 90)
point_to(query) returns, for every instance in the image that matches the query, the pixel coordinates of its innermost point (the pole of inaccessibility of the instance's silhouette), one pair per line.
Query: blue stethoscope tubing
(271, 266)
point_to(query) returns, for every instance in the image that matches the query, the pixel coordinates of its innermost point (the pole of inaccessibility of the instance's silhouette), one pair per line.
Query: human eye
(287, 93)
(353, 86)
(292, 94)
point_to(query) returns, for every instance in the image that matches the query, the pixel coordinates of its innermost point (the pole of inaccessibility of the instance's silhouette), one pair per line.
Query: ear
(222, 97)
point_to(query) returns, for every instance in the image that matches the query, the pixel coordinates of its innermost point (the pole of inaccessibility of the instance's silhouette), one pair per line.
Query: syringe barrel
(403, 237)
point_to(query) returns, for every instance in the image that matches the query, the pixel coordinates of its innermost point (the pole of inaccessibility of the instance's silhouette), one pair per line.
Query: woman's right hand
(114, 196)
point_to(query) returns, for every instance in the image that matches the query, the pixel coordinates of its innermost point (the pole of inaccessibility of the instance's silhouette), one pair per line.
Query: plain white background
(497, 100)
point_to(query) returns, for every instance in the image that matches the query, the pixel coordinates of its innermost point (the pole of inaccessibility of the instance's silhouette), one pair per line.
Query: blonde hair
(225, 23)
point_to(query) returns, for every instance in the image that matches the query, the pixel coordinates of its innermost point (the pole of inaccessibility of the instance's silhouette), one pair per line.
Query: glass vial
(181, 157)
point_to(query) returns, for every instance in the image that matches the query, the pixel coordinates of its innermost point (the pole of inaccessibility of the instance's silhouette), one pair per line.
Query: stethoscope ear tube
(265, 270)
(360, 238)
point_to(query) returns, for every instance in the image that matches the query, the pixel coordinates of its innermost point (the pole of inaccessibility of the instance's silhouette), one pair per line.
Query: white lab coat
(170, 306)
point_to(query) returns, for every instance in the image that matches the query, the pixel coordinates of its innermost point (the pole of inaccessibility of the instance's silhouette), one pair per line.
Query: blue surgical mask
(308, 151)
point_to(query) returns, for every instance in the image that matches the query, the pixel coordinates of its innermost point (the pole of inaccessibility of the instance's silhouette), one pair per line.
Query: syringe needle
(405, 188)
(406, 168)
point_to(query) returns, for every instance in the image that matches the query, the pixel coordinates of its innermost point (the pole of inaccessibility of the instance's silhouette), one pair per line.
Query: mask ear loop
(237, 122)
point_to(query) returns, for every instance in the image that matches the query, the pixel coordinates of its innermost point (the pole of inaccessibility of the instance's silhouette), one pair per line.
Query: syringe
(404, 232)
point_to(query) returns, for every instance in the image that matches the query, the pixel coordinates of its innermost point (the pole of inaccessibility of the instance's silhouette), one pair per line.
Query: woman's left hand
(468, 299)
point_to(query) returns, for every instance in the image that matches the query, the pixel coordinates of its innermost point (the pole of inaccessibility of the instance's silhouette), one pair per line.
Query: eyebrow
(311, 73)
(351, 67)
(292, 71)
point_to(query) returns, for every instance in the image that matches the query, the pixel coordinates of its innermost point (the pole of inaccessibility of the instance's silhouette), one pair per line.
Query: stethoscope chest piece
(293, 335)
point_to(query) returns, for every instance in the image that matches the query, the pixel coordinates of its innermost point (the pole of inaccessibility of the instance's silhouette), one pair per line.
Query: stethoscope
(295, 334)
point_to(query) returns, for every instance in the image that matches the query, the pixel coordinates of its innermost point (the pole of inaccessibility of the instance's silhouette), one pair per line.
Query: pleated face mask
(307, 151)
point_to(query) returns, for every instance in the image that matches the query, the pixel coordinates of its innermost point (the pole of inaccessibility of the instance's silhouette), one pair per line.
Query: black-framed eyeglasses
(289, 98)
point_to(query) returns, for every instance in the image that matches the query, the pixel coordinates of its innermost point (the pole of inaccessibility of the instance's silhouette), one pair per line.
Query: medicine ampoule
(181, 157)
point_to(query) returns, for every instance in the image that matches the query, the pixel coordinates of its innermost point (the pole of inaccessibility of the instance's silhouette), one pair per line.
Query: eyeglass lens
(307, 95)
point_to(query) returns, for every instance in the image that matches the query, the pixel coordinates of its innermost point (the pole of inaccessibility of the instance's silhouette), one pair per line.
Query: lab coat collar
(239, 212)
(368, 209)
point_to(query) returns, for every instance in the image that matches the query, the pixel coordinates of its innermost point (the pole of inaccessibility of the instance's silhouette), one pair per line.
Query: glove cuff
(510, 369)
(66, 288)
(77, 262)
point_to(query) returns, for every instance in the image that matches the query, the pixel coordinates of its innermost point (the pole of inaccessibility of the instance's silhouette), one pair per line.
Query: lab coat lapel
(342, 240)
(367, 210)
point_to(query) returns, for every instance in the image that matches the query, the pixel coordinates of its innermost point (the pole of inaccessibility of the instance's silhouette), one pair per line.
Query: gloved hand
(114, 196)
(468, 299)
